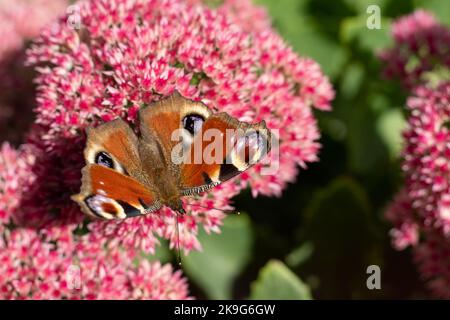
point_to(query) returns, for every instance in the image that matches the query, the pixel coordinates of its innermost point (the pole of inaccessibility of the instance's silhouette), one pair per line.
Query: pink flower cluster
(14, 171)
(20, 21)
(420, 212)
(53, 264)
(421, 47)
(422, 209)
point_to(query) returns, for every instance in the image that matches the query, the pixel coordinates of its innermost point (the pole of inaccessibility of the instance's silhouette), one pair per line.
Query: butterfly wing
(225, 148)
(171, 124)
(108, 191)
(114, 145)
(108, 194)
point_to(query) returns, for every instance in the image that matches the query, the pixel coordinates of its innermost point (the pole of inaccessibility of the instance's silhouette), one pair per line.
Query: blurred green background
(319, 238)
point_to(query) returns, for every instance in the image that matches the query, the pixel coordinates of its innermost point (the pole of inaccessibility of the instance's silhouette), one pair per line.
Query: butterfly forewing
(225, 148)
(110, 188)
(168, 123)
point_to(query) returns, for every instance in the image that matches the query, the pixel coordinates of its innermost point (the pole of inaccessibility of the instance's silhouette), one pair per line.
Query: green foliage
(354, 29)
(223, 257)
(276, 282)
(300, 255)
(340, 227)
(303, 33)
(390, 126)
(439, 7)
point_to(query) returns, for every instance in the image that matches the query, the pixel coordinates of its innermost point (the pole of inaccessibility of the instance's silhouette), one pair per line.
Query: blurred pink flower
(11, 41)
(433, 259)
(406, 227)
(422, 45)
(28, 17)
(20, 21)
(431, 248)
(53, 264)
(426, 156)
(130, 53)
(420, 212)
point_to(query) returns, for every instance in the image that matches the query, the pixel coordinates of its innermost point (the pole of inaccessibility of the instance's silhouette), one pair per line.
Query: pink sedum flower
(431, 248)
(20, 21)
(422, 45)
(406, 227)
(420, 212)
(14, 173)
(433, 259)
(34, 267)
(128, 54)
(426, 155)
(422, 209)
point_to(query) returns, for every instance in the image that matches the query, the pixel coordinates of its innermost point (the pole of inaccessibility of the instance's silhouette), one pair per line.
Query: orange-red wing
(221, 152)
(118, 141)
(108, 194)
(160, 120)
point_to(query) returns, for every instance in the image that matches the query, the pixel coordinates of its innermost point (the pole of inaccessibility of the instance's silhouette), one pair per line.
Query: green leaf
(352, 80)
(276, 282)
(366, 150)
(390, 126)
(300, 254)
(354, 29)
(301, 30)
(326, 52)
(223, 258)
(360, 6)
(340, 227)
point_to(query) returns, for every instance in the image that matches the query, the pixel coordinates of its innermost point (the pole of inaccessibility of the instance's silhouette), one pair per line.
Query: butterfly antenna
(225, 211)
(178, 239)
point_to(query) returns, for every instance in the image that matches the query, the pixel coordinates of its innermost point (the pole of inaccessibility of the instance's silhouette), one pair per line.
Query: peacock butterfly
(183, 149)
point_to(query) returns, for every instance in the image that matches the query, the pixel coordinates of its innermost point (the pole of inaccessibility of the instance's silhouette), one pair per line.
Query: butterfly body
(128, 175)
(157, 176)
